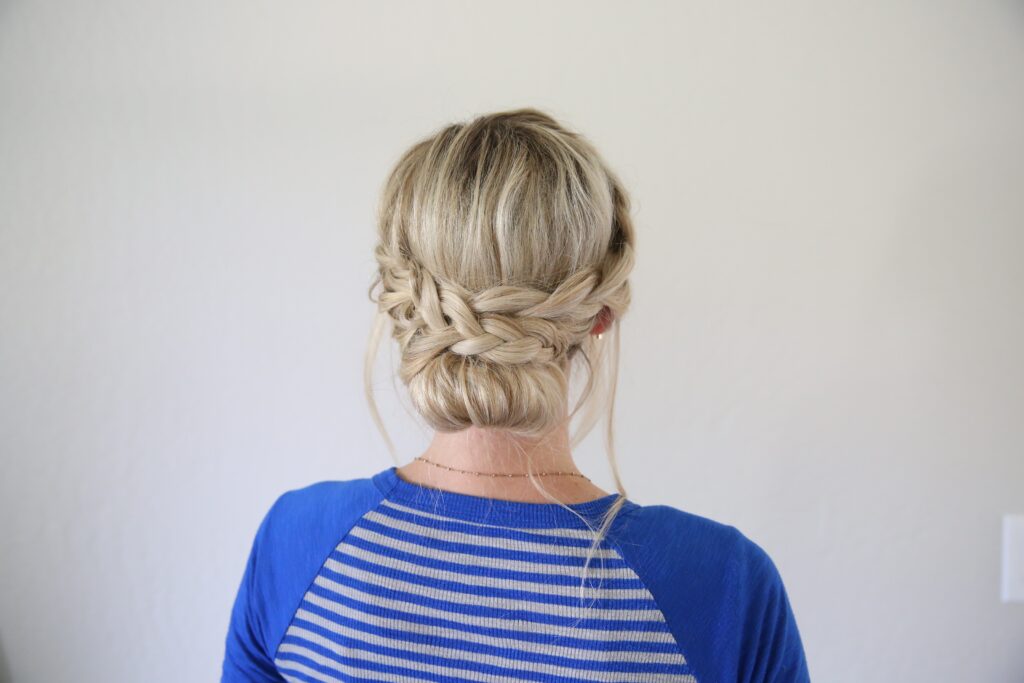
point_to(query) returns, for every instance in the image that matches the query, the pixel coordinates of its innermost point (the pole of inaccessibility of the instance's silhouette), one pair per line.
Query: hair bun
(496, 357)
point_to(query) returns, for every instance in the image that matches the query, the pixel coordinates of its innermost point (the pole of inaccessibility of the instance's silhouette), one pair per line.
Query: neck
(497, 451)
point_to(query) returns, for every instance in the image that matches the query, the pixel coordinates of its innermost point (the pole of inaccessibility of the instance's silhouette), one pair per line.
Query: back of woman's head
(502, 242)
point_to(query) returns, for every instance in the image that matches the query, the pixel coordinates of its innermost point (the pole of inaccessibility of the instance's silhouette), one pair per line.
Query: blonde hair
(501, 242)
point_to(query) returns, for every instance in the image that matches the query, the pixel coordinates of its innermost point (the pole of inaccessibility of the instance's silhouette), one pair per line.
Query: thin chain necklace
(500, 474)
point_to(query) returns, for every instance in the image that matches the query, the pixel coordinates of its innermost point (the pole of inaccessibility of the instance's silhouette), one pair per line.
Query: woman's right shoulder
(682, 534)
(703, 572)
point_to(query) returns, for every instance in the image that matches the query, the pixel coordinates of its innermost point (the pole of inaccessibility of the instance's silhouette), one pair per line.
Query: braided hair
(501, 243)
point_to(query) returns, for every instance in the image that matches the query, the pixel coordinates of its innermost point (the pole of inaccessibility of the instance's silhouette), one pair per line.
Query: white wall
(825, 348)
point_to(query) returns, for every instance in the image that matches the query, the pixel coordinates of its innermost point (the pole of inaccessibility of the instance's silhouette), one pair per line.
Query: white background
(824, 350)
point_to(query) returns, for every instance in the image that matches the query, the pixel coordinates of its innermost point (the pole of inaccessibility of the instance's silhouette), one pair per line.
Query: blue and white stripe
(411, 595)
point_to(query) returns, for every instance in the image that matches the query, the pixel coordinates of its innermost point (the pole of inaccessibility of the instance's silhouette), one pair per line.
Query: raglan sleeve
(247, 656)
(771, 648)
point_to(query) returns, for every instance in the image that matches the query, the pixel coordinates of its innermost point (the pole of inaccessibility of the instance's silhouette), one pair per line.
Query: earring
(600, 334)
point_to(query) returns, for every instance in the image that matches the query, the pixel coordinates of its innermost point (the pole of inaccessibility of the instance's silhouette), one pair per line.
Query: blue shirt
(381, 579)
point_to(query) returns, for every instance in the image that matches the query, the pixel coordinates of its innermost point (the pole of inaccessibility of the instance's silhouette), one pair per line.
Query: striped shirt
(380, 579)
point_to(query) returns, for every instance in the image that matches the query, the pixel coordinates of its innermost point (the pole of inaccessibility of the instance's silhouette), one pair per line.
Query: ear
(603, 322)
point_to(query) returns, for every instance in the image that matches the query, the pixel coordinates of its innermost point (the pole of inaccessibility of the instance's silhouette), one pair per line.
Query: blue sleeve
(294, 539)
(721, 594)
(770, 648)
(247, 658)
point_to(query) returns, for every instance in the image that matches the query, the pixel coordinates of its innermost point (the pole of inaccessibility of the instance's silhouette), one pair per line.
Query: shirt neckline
(478, 509)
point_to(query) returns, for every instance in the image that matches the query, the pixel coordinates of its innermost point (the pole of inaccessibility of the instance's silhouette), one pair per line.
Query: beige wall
(825, 348)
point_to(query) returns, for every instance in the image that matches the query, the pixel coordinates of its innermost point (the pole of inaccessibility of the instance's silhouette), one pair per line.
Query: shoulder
(297, 534)
(719, 591)
(666, 538)
(323, 505)
(303, 526)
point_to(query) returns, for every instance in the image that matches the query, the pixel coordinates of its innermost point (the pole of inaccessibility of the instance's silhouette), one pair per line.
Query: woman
(504, 255)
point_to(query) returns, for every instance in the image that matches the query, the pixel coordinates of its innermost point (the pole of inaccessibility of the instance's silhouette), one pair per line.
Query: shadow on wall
(5, 672)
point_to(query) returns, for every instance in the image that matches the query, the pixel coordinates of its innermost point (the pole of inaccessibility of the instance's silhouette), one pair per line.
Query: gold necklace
(500, 474)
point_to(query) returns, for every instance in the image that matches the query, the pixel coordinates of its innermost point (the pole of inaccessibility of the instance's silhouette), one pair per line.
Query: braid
(506, 325)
